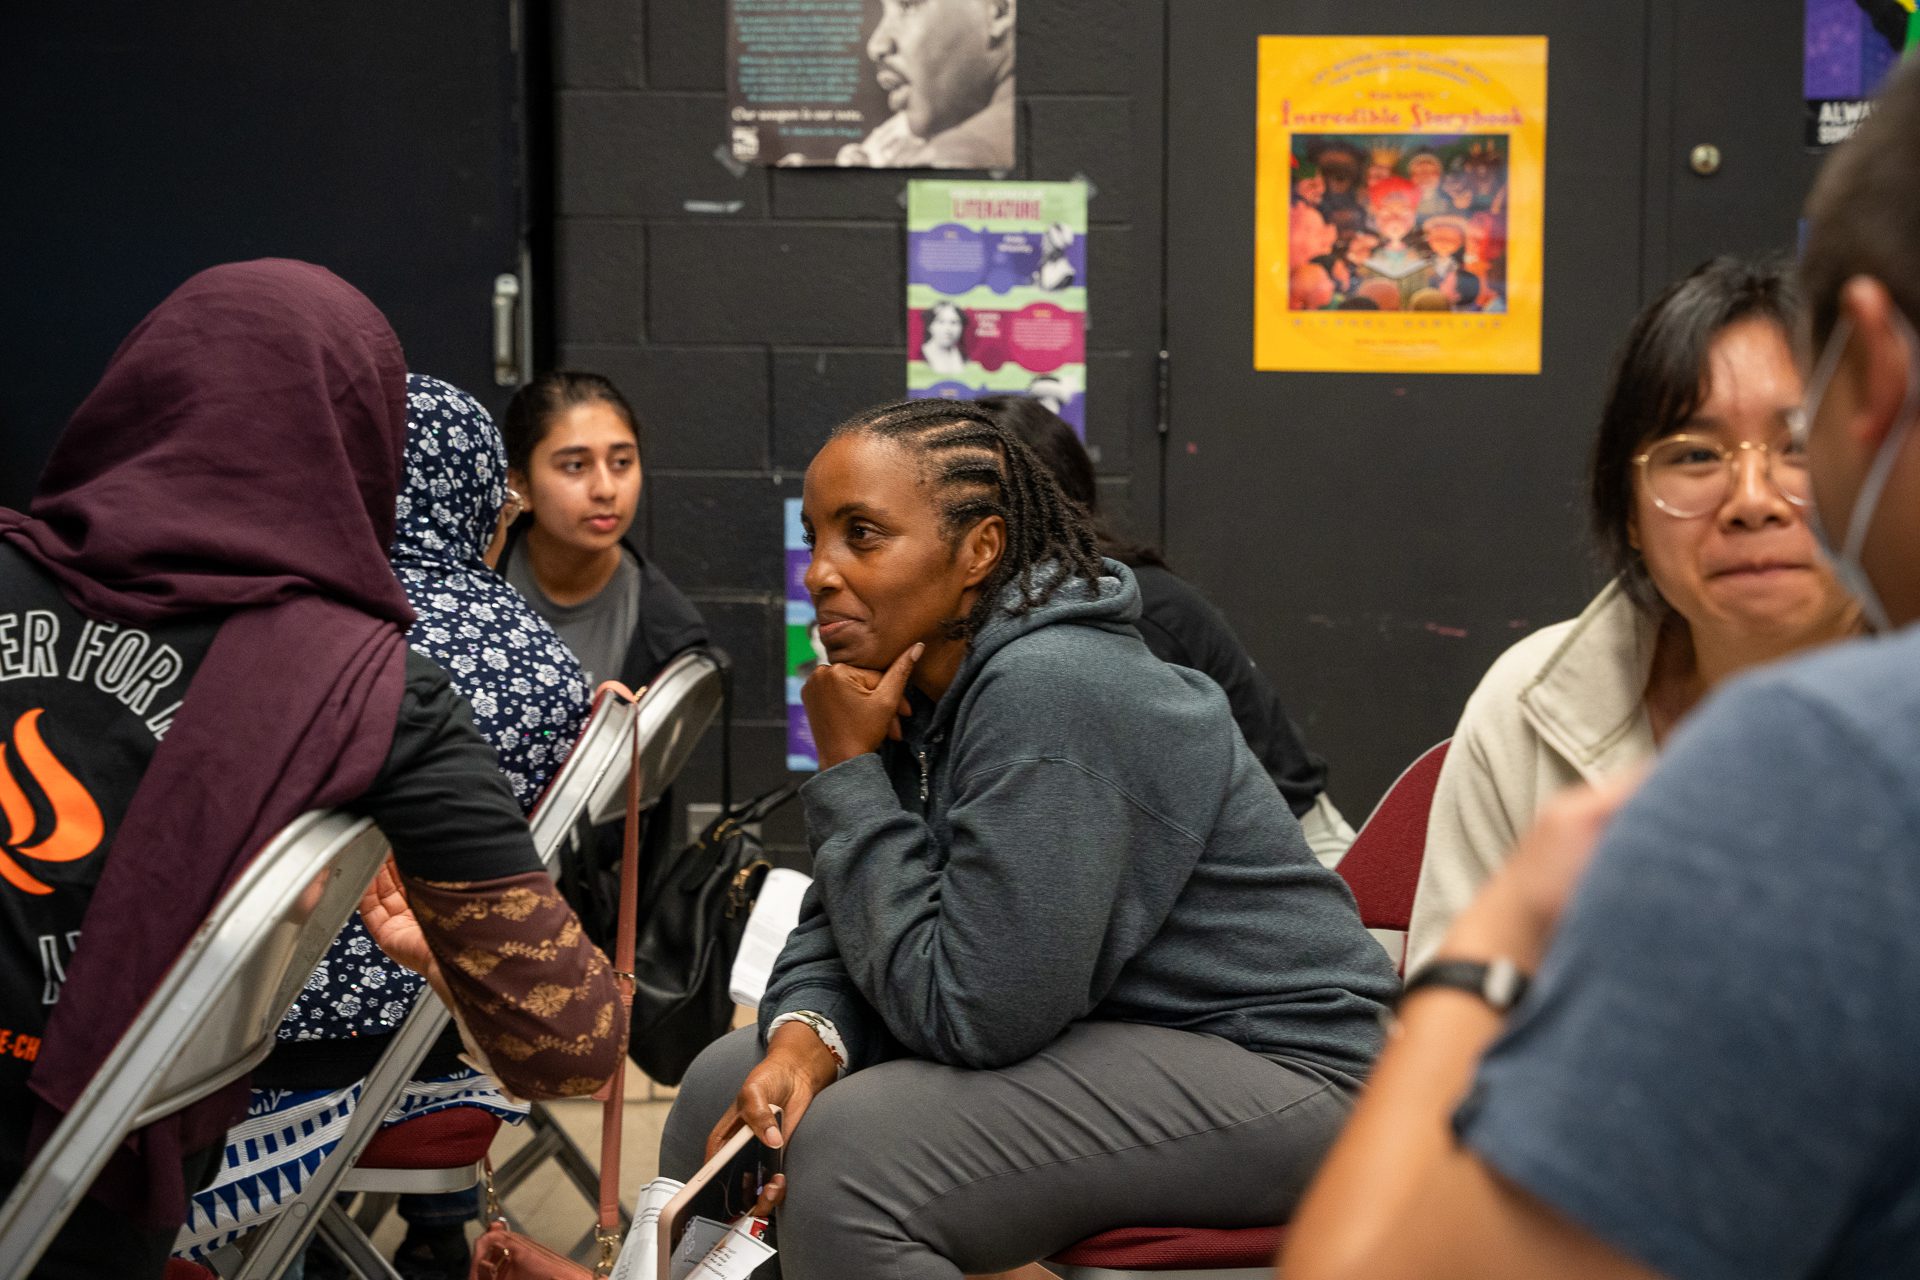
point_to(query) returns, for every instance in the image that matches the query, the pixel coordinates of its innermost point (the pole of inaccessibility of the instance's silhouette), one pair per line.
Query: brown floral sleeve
(539, 999)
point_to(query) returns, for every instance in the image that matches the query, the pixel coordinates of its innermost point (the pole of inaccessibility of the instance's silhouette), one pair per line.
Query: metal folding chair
(211, 1020)
(590, 783)
(673, 713)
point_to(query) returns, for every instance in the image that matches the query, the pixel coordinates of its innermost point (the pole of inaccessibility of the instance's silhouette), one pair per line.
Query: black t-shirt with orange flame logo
(83, 706)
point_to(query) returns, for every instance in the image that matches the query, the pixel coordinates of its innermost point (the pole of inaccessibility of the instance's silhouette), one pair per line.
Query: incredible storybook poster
(1399, 203)
(997, 292)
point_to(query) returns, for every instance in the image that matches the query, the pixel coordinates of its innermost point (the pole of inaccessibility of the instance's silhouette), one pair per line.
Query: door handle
(506, 330)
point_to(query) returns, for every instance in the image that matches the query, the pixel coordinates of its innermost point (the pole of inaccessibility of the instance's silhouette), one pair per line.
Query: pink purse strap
(613, 1113)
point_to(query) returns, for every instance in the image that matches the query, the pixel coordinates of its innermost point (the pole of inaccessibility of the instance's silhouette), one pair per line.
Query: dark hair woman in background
(574, 457)
(1698, 504)
(1181, 627)
(573, 454)
(1065, 943)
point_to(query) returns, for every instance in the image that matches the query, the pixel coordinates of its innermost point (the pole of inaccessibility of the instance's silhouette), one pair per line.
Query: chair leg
(542, 1144)
(224, 1261)
(353, 1247)
(549, 1142)
(373, 1208)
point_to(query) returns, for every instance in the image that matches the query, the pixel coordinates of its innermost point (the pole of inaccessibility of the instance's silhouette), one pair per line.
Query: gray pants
(911, 1169)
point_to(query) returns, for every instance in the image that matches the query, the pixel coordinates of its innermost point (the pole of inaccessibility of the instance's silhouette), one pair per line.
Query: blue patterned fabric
(529, 700)
(529, 697)
(287, 1134)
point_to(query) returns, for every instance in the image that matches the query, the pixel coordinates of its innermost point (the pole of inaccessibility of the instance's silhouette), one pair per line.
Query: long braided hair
(977, 468)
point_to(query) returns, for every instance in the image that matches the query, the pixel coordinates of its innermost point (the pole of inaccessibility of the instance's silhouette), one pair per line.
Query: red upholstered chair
(1383, 869)
(1383, 866)
(439, 1151)
(1172, 1253)
(439, 1140)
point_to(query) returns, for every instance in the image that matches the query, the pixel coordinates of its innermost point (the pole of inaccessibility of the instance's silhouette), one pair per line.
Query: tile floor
(546, 1206)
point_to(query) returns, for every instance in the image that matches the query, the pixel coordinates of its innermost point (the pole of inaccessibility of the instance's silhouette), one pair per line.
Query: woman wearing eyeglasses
(1698, 503)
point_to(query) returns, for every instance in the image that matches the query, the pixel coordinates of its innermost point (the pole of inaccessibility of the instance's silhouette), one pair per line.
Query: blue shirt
(1718, 1070)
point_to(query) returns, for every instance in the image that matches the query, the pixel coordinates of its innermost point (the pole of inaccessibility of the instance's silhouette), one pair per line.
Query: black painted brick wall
(745, 312)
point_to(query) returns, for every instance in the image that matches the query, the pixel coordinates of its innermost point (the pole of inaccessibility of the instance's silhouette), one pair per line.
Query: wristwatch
(1498, 982)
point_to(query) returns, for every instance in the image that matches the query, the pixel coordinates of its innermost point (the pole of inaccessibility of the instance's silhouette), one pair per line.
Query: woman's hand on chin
(853, 710)
(798, 1066)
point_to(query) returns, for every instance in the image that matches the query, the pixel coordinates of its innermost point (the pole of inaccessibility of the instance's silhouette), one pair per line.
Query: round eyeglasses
(1689, 476)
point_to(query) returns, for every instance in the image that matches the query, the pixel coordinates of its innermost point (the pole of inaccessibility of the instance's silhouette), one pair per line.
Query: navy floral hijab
(528, 694)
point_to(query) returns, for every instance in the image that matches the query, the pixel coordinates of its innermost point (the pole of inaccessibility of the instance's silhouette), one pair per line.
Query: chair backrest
(674, 712)
(594, 771)
(1383, 866)
(211, 1020)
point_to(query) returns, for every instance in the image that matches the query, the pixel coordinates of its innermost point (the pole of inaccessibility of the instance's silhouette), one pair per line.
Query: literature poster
(1400, 197)
(871, 84)
(1850, 47)
(804, 651)
(997, 292)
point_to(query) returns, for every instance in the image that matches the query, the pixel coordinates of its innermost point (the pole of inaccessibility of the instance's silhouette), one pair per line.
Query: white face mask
(1845, 558)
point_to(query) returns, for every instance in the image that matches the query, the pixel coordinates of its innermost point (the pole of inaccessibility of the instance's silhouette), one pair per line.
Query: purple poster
(1850, 47)
(803, 645)
(997, 292)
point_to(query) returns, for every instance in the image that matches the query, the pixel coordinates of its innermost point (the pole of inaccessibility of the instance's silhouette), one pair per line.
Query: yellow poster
(1399, 204)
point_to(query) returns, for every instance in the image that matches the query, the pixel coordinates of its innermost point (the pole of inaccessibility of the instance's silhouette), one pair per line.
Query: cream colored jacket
(1565, 705)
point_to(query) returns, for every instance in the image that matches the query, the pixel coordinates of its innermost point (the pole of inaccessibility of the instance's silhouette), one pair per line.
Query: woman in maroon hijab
(200, 639)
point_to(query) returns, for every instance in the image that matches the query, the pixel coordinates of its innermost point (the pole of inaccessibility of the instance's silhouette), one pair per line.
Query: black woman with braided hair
(1067, 963)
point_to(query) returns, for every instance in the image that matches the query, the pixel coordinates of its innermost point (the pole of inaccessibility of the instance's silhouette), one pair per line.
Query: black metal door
(1378, 539)
(1725, 82)
(146, 141)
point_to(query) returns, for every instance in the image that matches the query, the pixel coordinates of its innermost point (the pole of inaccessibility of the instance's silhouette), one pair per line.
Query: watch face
(1499, 982)
(1504, 984)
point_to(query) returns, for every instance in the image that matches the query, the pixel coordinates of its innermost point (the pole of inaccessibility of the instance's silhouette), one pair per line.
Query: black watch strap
(1498, 982)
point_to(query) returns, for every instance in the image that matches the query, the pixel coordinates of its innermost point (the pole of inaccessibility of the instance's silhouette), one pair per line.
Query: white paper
(775, 913)
(638, 1251)
(699, 1237)
(739, 1251)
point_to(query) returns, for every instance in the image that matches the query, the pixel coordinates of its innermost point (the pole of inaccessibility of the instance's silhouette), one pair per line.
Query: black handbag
(693, 913)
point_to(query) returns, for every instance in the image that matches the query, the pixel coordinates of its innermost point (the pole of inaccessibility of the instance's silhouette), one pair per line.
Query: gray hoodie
(1076, 832)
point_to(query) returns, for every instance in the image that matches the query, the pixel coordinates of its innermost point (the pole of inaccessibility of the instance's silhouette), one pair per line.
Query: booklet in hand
(707, 1230)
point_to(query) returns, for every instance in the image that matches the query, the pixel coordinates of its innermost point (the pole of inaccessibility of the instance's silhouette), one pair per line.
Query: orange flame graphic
(77, 825)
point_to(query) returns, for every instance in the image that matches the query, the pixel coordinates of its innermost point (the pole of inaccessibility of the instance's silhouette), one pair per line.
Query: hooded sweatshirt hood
(1110, 603)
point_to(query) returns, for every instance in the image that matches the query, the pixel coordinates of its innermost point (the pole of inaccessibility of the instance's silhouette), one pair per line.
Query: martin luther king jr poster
(872, 84)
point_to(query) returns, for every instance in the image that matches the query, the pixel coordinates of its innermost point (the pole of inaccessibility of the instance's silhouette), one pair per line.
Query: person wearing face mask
(1697, 500)
(1674, 1035)
(947, 68)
